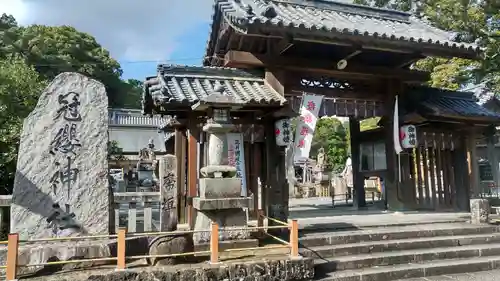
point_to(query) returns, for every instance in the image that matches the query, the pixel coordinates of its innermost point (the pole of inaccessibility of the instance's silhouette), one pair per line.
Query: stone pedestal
(479, 211)
(220, 202)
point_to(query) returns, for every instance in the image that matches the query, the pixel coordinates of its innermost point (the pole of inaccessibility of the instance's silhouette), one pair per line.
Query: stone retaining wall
(273, 270)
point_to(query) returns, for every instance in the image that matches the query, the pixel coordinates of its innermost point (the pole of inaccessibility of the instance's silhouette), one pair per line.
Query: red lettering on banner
(304, 131)
(311, 106)
(301, 143)
(307, 118)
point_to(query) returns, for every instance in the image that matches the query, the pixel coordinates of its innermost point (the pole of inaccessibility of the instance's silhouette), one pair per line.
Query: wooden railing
(13, 243)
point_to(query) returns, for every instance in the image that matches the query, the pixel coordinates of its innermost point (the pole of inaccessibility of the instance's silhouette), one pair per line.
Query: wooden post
(294, 239)
(180, 153)
(192, 175)
(12, 251)
(214, 243)
(121, 263)
(391, 179)
(359, 199)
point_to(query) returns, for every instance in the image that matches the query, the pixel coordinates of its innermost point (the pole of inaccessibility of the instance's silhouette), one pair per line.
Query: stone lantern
(219, 197)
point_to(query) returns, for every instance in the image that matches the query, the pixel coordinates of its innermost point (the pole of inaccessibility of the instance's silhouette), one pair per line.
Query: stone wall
(273, 270)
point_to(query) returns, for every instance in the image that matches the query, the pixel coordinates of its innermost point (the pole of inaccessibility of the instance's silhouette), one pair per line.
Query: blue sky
(139, 34)
(188, 50)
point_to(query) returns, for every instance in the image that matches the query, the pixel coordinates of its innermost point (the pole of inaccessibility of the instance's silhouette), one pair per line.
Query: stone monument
(169, 244)
(61, 184)
(220, 197)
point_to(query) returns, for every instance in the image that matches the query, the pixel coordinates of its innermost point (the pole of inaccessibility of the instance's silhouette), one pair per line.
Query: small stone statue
(148, 153)
(321, 158)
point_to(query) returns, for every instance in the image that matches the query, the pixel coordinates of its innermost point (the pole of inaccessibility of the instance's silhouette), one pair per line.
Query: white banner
(306, 125)
(236, 158)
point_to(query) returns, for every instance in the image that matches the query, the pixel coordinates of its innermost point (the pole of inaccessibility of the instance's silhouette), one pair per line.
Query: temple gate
(269, 53)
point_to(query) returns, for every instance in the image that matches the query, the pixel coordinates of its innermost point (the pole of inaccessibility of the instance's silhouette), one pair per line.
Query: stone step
(328, 251)
(405, 257)
(413, 270)
(393, 233)
(355, 222)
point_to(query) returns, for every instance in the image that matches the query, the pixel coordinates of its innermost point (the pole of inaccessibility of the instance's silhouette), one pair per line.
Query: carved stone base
(226, 219)
(170, 245)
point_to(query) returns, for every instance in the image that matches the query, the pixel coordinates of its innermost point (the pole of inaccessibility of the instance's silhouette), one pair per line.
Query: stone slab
(213, 188)
(61, 184)
(220, 204)
(273, 268)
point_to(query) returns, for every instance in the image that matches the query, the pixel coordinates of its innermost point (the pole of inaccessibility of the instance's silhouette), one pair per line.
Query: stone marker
(168, 193)
(479, 211)
(61, 185)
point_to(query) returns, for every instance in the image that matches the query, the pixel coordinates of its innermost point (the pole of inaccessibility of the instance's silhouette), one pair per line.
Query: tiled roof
(186, 85)
(482, 93)
(440, 102)
(331, 17)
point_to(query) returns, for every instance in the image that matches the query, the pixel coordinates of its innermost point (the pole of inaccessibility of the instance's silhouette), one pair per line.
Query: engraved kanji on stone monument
(61, 185)
(168, 193)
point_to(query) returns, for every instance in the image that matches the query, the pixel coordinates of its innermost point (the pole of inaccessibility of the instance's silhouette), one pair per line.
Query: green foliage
(473, 21)
(115, 152)
(52, 50)
(133, 88)
(30, 56)
(20, 87)
(331, 135)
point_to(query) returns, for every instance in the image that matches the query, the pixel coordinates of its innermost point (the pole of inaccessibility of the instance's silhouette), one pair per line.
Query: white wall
(133, 139)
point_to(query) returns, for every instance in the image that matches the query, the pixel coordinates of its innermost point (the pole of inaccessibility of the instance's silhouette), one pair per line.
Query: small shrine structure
(326, 58)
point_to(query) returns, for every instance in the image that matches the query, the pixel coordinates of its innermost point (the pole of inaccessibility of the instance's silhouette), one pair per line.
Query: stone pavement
(493, 275)
(314, 213)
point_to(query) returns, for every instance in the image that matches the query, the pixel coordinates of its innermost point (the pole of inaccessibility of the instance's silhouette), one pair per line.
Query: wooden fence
(13, 244)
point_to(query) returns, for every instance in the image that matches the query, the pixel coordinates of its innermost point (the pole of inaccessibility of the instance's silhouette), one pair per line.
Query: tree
(473, 22)
(115, 152)
(331, 135)
(133, 90)
(56, 49)
(20, 87)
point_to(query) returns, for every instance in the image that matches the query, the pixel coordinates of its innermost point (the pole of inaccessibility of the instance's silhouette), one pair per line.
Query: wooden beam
(284, 44)
(276, 79)
(250, 60)
(336, 93)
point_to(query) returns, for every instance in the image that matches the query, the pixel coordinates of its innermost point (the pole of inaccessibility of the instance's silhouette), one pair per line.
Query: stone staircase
(398, 252)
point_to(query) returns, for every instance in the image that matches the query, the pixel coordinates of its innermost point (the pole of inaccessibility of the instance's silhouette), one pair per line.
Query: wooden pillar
(192, 170)
(473, 166)
(180, 153)
(276, 177)
(390, 180)
(459, 157)
(492, 156)
(359, 199)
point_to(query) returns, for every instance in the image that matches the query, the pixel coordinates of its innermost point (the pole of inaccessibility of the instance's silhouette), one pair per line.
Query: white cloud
(130, 29)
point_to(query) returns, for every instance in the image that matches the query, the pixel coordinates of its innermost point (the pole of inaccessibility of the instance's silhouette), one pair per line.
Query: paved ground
(493, 275)
(318, 212)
